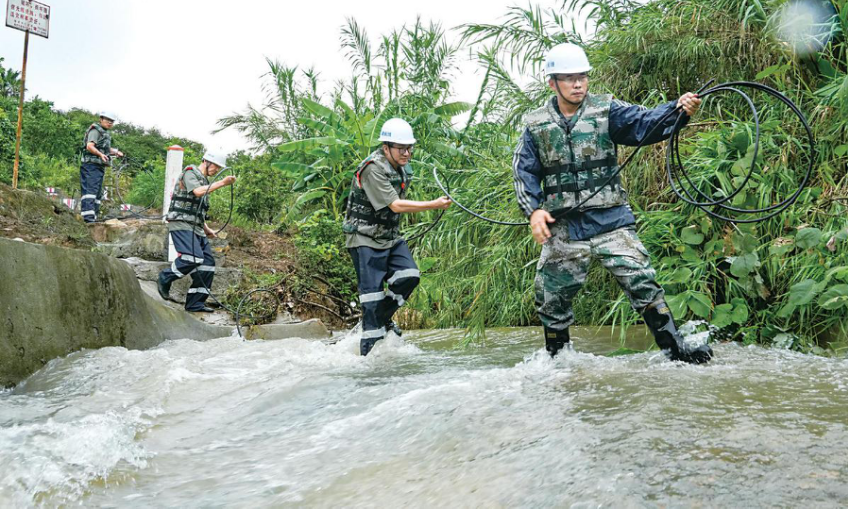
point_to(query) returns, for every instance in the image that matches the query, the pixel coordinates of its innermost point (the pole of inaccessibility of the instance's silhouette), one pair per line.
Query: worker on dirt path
(567, 149)
(372, 235)
(188, 231)
(97, 154)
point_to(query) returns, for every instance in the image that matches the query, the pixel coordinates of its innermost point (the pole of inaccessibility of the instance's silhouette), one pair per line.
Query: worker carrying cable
(188, 231)
(372, 231)
(568, 148)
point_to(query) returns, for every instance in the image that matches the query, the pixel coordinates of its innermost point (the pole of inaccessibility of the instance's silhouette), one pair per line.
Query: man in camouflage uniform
(372, 235)
(566, 156)
(97, 153)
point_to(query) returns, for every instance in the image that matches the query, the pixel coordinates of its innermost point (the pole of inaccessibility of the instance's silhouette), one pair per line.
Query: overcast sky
(180, 65)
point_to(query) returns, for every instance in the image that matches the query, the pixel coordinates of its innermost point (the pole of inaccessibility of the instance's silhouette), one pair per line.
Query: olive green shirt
(93, 136)
(191, 181)
(381, 194)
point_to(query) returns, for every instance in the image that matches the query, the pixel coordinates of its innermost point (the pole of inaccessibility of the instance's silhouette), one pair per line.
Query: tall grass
(783, 281)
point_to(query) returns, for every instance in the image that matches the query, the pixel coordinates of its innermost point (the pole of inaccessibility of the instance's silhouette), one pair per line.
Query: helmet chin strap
(390, 158)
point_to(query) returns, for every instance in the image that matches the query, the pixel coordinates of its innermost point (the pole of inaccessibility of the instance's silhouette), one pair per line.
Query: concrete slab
(146, 270)
(309, 329)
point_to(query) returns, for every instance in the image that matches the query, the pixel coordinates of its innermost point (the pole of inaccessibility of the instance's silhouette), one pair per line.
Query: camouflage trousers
(564, 265)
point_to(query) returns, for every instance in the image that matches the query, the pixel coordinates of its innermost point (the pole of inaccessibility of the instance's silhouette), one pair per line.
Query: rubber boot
(394, 327)
(556, 340)
(658, 318)
(163, 288)
(365, 345)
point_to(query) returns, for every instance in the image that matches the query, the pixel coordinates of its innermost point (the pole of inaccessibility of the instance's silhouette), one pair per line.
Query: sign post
(27, 16)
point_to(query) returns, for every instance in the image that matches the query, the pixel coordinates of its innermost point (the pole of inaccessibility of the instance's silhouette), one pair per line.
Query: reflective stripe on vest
(185, 206)
(361, 217)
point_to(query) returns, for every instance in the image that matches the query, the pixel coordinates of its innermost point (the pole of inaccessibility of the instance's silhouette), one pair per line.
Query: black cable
(230, 214)
(243, 299)
(116, 176)
(237, 312)
(427, 230)
(466, 209)
(674, 162)
(593, 194)
(674, 165)
(133, 214)
(432, 225)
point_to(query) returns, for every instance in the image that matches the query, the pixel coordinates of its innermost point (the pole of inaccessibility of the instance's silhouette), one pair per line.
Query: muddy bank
(33, 217)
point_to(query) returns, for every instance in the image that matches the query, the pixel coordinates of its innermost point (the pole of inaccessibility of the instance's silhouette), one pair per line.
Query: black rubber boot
(393, 327)
(365, 345)
(164, 289)
(555, 340)
(658, 318)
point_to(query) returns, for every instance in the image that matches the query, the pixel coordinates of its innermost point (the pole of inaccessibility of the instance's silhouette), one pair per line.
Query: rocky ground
(242, 256)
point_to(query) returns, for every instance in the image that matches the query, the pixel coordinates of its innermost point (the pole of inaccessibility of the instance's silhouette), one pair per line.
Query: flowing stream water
(419, 423)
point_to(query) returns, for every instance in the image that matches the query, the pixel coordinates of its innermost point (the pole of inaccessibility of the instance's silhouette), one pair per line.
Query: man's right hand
(104, 158)
(442, 202)
(539, 225)
(228, 180)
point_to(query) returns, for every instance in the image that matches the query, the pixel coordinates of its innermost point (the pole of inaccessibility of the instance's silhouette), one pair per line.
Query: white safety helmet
(109, 115)
(397, 130)
(216, 158)
(566, 58)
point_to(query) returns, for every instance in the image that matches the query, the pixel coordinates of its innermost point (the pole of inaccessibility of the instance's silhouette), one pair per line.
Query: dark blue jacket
(629, 124)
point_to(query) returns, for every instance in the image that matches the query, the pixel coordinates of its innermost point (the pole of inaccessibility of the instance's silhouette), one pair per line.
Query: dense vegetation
(781, 282)
(52, 143)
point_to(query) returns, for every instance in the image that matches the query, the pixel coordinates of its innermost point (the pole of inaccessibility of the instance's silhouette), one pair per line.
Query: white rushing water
(229, 423)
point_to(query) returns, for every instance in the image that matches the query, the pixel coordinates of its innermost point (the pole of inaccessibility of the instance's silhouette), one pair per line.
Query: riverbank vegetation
(781, 282)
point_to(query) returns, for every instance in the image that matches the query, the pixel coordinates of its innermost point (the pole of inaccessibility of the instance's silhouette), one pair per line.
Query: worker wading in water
(567, 150)
(380, 255)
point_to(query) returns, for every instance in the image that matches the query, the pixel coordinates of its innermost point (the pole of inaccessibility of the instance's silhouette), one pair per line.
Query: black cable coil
(676, 171)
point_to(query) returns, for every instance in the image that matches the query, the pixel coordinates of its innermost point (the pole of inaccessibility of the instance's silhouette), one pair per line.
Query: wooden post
(20, 115)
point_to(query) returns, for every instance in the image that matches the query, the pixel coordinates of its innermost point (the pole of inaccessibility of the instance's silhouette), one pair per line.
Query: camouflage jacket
(542, 150)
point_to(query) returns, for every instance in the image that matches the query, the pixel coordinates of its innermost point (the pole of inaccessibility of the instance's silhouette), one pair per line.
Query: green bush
(259, 195)
(55, 172)
(320, 250)
(148, 187)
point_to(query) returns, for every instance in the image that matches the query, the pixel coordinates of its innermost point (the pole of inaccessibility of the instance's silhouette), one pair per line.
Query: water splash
(303, 423)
